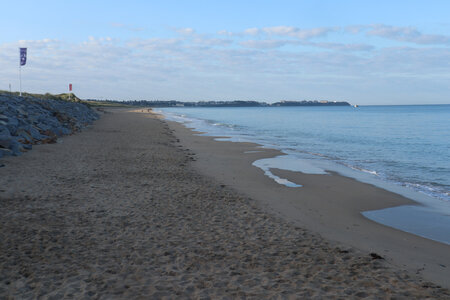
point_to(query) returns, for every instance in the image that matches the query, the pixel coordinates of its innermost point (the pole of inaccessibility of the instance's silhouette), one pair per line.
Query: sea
(404, 149)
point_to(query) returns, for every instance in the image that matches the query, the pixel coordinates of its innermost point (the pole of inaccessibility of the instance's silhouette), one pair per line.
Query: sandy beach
(330, 205)
(137, 207)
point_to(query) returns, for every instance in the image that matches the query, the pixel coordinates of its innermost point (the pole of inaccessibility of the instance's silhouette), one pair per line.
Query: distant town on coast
(235, 103)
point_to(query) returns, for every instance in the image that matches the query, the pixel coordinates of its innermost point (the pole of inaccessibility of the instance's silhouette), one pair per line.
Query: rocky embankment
(26, 121)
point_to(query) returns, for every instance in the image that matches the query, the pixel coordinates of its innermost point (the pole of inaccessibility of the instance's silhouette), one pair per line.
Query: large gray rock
(4, 131)
(12, 124)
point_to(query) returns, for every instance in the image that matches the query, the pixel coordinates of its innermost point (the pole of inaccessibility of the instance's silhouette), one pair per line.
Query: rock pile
(25, 121)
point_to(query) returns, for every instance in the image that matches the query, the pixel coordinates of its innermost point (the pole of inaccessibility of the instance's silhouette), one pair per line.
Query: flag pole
(20, 80)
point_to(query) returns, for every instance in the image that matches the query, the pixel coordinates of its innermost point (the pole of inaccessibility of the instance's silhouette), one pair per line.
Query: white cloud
(198, 67)
(225, 32)
(39, 44)
(190, 35)
(277, 43)
(156, 44)
(408, 34)
(342, 47)
(185, 31)
(355, 29)
(266, 44)
(213, 42)
(296, 32)
(412, 61)
(252, 31)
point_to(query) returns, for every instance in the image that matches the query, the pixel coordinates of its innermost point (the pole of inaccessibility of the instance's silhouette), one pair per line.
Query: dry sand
(120, 211)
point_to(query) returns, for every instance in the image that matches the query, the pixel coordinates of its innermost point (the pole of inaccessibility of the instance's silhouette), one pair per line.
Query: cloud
(213, 42)
(355, 29)
(342, 47)
(40, 44)
(155, 44)
(226, 33)
(185, 31)
(266, 44)
(277, 43)
(94, 40)
(252, 31)
(290, 31)
(402, 34)
(198, 66)
(411, 61)
(198, 40)
(407, 34)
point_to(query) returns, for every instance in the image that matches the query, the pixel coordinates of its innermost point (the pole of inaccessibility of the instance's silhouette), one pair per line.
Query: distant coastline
(235, 103)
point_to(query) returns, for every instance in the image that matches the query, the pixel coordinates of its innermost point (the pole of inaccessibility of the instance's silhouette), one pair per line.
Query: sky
(364, 52)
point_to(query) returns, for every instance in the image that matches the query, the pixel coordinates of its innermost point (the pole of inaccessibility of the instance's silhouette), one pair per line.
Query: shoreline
(382, 167)
(326, 204)
(121, 211)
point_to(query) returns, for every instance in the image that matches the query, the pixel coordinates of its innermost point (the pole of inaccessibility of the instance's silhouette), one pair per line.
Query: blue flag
(23, 56)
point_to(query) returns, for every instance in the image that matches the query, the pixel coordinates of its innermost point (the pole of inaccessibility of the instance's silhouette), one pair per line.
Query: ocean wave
(363, 170)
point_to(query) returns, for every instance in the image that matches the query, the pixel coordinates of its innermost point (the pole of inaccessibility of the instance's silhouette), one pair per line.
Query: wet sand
(124, 210)
(329, 205)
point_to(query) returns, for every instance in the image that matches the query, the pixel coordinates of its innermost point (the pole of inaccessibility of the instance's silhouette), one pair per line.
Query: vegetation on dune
(47, 96)
(65, 97)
